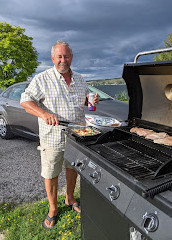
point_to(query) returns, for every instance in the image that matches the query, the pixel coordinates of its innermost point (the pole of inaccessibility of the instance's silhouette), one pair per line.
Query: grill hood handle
(152, 52)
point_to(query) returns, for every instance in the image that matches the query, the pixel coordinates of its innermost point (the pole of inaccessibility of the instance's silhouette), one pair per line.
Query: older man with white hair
(56, 94)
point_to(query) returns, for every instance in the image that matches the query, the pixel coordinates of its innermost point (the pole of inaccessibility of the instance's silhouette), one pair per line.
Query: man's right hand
(32, 108)
(50, 119)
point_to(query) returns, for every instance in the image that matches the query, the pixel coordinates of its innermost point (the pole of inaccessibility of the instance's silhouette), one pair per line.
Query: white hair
(60, 42)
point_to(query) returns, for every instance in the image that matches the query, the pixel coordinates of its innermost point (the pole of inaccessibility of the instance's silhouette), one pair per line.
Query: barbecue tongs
(72, 124)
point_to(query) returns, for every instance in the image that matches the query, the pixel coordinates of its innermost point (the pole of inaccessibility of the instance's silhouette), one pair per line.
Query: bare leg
(51, 189)
(71, 176)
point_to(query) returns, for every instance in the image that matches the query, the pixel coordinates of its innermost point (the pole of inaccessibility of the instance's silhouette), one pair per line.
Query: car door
(18, 118)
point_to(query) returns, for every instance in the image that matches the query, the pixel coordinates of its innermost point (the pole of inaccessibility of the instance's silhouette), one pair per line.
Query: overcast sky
(104, 34)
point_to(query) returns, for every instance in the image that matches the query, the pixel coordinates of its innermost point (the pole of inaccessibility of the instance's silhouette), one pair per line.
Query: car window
(7, 92)
(16, 92)
(102, 95)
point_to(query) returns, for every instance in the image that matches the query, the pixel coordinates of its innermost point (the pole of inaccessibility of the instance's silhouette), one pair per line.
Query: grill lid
(150, 91)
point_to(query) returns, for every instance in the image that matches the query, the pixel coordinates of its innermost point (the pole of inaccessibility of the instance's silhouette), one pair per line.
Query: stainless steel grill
(127, 175)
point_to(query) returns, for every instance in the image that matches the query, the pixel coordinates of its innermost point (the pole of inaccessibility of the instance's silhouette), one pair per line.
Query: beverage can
(91, 106)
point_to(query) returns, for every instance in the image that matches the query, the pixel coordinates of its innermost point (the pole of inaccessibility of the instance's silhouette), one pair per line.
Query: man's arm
(32, 108)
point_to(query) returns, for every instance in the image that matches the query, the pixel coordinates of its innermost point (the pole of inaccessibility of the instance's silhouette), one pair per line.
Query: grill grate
(137, 159)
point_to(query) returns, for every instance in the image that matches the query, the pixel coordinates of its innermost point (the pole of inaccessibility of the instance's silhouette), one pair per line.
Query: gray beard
(63, 71)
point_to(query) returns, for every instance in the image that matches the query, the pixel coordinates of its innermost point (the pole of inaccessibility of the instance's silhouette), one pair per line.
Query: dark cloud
(103, 34)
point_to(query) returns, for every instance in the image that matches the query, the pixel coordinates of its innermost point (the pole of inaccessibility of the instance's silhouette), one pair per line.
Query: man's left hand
(96, 98)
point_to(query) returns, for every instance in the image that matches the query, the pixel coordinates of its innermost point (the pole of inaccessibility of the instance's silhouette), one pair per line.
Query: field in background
(114, 81)
(116, 87)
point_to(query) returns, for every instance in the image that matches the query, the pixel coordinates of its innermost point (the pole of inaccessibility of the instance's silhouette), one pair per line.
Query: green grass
(25, 222)
(122, 96)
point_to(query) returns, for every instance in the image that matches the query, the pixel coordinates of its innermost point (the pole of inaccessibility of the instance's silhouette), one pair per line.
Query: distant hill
(113, 81)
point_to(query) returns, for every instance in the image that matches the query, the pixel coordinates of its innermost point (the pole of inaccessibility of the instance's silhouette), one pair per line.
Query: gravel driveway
(20, 179)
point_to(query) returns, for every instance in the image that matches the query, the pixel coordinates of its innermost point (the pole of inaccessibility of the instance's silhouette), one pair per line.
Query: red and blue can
(91, 105)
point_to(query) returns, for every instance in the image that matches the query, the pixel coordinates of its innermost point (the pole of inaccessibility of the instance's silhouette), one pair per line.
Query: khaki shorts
(51, 161)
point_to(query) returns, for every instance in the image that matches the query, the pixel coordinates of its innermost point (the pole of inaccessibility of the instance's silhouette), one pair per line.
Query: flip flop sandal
(54, 218)
(73, 206)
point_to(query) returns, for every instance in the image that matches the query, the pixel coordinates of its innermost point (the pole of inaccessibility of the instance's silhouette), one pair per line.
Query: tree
(18, 58)
(165, 56)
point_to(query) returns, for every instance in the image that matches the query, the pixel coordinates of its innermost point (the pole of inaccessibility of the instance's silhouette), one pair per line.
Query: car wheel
(5, 131)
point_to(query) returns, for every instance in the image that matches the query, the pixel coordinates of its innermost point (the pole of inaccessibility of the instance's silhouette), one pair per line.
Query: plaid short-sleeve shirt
(50, 91)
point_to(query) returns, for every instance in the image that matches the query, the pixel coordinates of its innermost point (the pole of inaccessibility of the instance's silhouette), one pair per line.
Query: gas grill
(126, 179)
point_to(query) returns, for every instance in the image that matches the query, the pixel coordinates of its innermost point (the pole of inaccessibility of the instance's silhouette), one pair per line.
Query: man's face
(62, 58)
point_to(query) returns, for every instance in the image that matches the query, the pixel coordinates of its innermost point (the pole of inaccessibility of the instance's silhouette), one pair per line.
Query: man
(53, 95)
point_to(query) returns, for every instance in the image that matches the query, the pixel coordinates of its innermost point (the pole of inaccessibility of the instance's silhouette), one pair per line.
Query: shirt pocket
(81, 97)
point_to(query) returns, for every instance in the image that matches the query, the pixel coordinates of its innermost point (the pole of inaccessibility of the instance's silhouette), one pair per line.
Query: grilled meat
(165, 141)
(141, 131)
(155, 135)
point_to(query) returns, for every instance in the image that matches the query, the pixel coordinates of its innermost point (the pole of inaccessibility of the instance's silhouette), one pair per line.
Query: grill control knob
(81, 164)
(95, 176)
(150, 222)
(114, 192)
(73, 164)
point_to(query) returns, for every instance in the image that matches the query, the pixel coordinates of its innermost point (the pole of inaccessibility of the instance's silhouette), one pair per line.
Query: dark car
(14, 120)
